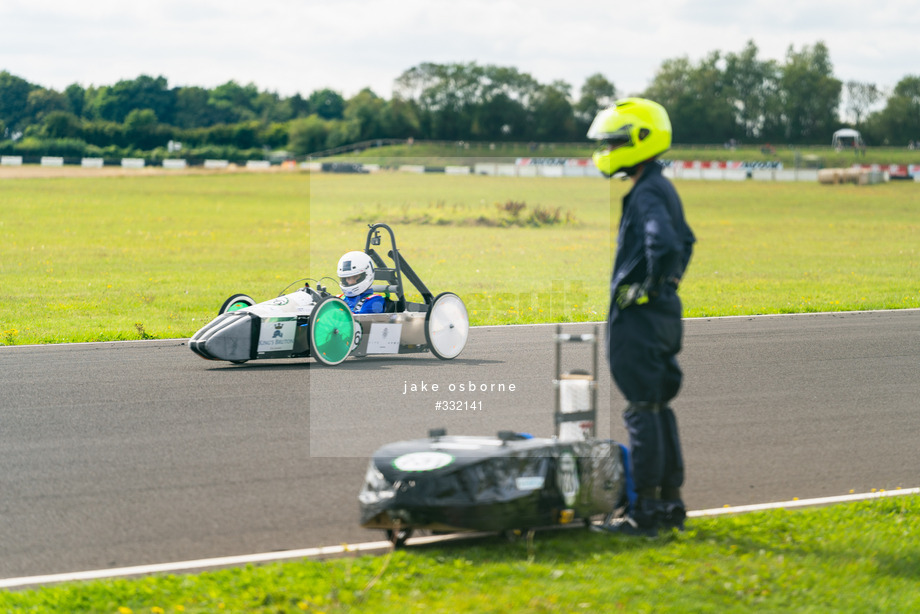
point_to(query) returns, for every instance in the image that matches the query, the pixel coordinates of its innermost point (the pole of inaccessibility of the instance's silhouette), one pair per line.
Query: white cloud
(299, 46)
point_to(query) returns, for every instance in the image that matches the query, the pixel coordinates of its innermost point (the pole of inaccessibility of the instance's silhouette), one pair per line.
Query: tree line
(723, 97)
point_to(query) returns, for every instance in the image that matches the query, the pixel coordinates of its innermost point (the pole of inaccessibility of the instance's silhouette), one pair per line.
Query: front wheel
(236, 302)
(332, 331)
(447, 326)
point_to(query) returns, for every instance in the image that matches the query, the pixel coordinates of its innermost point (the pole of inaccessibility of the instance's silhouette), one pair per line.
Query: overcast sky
(291, 46)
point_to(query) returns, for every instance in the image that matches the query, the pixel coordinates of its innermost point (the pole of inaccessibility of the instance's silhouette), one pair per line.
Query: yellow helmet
(630, 132)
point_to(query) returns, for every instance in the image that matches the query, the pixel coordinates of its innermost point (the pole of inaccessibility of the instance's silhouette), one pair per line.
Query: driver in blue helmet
(356, 277)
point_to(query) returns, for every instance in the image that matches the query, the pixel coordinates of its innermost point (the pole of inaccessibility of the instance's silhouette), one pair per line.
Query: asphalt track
(133, 453)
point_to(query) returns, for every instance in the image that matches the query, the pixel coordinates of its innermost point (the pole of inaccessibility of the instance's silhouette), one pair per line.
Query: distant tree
(860, 99)
(274, 135)
(597, 93)
(42, 101)
(499, 117)
(141, 119)
(500, 107)
(307, 135)
(62, 125)
(751, 87)
(233, 102)
(300, 107)
(366, 108)
(697, 99)
(14, 100)
(400, 119)
(193, 108)
(76, 97)
(114, 103)
(102, 133)
(270, 107)
(327, 104)
(142, 129)
(461, 101)
(342, 132)
(553, 118)
(811, 95)
(899, 121)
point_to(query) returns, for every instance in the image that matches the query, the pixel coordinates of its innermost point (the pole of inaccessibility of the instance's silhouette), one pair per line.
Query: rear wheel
(236, 302)
(447, 326)
(332, 331)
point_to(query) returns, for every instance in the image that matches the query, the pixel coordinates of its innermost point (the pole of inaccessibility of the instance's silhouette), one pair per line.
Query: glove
(632, 294)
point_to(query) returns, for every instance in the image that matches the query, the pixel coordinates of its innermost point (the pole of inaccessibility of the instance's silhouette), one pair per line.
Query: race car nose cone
(227, 337)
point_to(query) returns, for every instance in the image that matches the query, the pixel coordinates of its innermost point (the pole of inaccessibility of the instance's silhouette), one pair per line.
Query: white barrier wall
(796, 175)
(708, 171)
(550, 171)
(534, 170)
(527, 171)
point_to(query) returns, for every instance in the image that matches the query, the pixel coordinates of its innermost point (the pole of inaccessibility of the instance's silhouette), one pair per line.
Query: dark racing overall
(644, 328)
(644, 336)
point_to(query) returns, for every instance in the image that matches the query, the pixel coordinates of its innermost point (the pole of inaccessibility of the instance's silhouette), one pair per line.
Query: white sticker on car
(423, 461)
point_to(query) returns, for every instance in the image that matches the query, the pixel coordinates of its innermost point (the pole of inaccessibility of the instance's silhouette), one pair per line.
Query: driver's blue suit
(365, 303)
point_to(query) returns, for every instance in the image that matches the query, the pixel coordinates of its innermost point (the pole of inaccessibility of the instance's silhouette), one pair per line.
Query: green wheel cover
(237, 302)
(332, 330)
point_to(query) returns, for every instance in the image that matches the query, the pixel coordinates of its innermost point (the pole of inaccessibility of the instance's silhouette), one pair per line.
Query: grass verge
(854, 557)
(102, 259)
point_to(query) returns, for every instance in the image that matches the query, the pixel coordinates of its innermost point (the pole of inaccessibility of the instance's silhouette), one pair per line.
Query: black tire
(236, 302)
(398, 537)
(332, 331)
(447, 326)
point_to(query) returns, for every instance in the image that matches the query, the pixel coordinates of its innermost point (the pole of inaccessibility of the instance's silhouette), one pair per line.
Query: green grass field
(854, 557)
(95, 259)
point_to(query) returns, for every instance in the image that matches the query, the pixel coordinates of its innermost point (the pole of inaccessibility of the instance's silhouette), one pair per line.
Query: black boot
(671, 512)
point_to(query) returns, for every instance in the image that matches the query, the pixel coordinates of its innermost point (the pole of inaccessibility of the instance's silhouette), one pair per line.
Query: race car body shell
(467, 483)
(279, 328)
(272, 329)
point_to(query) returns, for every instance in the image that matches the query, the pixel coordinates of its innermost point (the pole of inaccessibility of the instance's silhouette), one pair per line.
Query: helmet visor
(610, 141)
(352, 280)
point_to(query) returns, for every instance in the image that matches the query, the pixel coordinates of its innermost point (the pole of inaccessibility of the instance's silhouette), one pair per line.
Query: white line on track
(267, 557)
(699, 318)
